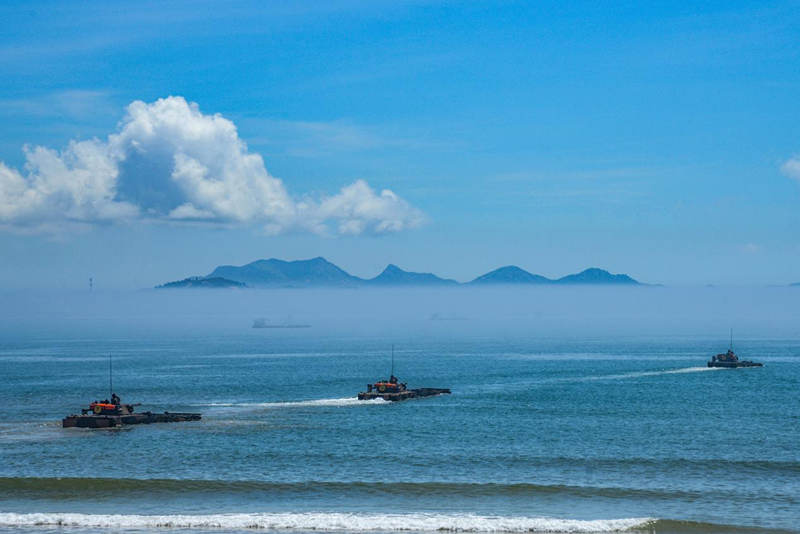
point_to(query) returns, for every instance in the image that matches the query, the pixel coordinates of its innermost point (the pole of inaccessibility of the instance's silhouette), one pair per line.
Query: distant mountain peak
(394, 275)
(281, 273)
(511, 274)
(595, 275)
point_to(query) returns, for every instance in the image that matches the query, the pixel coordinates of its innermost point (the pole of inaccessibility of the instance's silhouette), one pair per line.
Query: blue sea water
(567, 429)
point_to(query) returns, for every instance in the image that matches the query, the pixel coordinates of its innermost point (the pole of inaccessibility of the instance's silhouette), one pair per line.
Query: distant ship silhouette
(263, 323)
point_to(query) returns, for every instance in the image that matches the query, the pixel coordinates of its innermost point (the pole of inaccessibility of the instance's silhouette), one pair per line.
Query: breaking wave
(328, 522)
(131, 488)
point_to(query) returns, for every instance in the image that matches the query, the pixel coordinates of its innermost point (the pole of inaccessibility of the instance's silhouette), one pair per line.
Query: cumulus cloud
(358, 209)
(169, 162)
(791, 168)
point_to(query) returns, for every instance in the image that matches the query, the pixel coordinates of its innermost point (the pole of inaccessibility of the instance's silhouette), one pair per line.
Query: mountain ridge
(319, 272)
(314, 271)
(394, 275)
(510, 274)
(594, 275)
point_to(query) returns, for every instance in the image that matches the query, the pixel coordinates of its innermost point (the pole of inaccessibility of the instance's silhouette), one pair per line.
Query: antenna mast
(392, 373)
(110, 383)
(731, 347)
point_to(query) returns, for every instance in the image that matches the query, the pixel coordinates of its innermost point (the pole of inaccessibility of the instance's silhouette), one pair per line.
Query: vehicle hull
(734, 365)
(110, 421)
(403, 395)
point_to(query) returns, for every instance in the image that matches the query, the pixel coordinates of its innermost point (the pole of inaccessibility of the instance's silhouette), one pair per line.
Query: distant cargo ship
(263, 323)
(445, 317)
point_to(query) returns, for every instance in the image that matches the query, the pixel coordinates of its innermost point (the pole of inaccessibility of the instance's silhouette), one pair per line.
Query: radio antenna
(110, 383)
(392, 373)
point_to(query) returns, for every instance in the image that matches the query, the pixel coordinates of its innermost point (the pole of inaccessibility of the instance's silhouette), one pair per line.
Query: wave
(329, 522)
(131, 488)
(345, 401)
(363, 522)
(54, 358)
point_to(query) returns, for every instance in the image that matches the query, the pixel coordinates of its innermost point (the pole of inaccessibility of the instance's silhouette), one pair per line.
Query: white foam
(638, 374)
(327, 522)
(345, 401)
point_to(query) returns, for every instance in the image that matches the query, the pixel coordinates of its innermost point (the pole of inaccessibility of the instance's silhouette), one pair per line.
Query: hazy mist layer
(399, 313)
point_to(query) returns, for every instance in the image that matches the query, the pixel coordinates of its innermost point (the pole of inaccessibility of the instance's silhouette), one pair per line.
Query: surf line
(328, 522)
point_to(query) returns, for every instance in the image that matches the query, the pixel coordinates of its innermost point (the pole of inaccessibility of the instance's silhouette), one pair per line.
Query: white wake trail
(328, 522)
(637, 374)
(345, 401)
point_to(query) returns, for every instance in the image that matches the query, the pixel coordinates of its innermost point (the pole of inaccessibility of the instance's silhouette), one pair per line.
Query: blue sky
(649, 138)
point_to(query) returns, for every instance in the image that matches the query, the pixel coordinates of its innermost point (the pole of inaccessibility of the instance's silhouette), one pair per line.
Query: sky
(149, 141)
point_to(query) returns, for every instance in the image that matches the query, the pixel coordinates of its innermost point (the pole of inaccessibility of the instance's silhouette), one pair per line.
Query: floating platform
(110, 421)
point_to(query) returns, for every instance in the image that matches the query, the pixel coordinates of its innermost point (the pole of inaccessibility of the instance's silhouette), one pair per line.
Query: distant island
(319, 272)
(511, 274)
(199, 281)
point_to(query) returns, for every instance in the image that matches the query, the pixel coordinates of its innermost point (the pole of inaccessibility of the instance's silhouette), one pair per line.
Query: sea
(580, 410)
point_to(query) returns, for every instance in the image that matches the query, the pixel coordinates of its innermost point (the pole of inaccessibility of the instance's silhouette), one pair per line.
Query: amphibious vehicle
(108, 414)
(393, 390)
(731, 361)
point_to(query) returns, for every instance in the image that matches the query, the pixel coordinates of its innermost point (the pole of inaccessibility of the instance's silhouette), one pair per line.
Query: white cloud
(358, 209)
(170, 162)
(791, 168)
(75, 185)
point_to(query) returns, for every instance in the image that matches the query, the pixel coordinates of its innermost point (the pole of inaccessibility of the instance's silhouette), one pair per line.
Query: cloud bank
(169, 162)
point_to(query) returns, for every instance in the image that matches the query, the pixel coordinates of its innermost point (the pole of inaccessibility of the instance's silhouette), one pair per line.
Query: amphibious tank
(394, 390)
(731, 361)
(108, 414)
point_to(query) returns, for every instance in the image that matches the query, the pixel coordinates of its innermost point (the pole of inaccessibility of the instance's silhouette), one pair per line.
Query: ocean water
(547, 429)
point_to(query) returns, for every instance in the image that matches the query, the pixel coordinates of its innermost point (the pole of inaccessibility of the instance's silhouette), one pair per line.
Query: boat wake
(345, 401)
(638, 374)
(328, 522)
